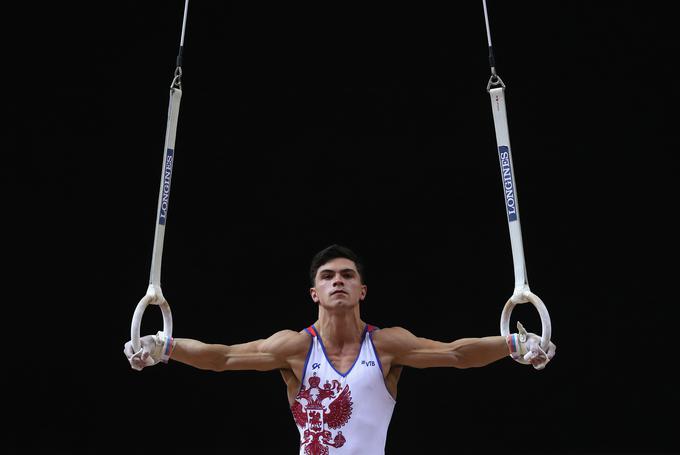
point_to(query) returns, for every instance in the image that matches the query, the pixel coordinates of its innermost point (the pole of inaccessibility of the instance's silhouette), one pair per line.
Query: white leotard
(342, 413)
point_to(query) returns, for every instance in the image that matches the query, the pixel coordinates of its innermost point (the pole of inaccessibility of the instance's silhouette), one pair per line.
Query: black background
(360, 123)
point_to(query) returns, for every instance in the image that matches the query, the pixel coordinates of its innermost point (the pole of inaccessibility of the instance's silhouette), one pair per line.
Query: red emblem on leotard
(316, 408)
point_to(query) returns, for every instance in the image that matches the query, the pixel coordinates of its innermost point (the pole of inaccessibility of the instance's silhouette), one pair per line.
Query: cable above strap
(177, 79)
(494, 80)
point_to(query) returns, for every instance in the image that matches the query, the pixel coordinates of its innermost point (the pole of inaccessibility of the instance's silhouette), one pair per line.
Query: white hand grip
(153, 296)
(527, 296)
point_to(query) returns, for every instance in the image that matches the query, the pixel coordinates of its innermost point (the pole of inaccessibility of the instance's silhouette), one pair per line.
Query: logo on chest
(318, 408)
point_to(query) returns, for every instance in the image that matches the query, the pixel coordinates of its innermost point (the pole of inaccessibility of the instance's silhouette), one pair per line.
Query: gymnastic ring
(527, 296)
(153, 296)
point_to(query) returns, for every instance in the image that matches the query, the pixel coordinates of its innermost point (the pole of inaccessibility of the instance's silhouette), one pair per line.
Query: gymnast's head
(337, 277)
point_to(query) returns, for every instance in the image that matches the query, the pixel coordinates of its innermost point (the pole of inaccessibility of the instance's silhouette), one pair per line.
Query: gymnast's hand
(151, 352)
(530, 348)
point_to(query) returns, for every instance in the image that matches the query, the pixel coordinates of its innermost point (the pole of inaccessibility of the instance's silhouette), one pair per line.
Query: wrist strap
(168, 344)
(514, 345)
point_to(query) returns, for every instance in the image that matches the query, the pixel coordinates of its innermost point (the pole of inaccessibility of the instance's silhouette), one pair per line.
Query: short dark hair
(333, 252)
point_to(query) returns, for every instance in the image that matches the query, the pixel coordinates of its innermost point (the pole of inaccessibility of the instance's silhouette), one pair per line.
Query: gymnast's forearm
(478, 352)
(198, 354)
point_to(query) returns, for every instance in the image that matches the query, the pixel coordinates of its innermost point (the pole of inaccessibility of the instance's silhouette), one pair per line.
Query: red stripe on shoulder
(311, 330)
(371, 328)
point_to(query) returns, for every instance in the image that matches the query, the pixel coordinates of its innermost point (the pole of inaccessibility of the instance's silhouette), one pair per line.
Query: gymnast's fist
(154, 349)
(527, 346)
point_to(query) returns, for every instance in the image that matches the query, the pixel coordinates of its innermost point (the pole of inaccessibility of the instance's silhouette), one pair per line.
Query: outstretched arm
(401, 347)
(267, 354)
(404, 348)
(277, 351)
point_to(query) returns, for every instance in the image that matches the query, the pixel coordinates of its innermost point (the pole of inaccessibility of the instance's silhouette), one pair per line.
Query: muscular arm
(401, 347)
(276, 352)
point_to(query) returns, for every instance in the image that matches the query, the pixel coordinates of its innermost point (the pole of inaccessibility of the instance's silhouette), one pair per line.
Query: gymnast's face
(338, 284)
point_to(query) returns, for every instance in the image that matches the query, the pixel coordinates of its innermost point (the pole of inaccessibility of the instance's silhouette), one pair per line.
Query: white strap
(521, 292)
(500, 119)
(154, 294)
(164, 193)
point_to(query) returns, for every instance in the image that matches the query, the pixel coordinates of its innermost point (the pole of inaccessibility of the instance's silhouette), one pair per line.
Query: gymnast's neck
(340, 326)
